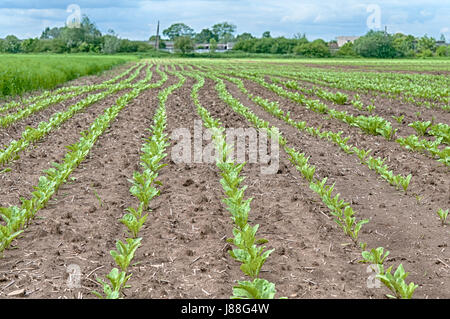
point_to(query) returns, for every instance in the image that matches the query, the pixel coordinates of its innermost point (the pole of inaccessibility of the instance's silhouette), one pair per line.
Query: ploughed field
(106, 184)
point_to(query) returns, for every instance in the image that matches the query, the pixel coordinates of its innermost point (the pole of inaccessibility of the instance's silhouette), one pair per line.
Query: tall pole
(157, 38)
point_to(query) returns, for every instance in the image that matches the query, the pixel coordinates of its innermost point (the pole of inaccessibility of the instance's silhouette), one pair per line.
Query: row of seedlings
(32, 135)
(342, 211)
(248, 251)
(144, 189)
(16, 219)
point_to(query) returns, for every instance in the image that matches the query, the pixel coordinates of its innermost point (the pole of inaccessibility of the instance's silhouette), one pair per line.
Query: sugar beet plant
(17, 218)
(248, 251)
(395, 282)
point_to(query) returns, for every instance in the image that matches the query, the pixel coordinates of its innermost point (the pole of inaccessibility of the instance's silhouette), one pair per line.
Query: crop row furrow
(16, 218)
(249, 251)
(31, 135)
(144, 189)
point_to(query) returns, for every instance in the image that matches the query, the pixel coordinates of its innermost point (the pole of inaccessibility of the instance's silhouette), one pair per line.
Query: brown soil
(184, 250)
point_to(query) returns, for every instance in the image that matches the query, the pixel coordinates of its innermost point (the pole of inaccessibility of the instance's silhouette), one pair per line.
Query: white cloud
(325, 18)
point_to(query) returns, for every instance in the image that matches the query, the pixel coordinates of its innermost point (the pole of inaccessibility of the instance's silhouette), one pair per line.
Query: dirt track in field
(184, 250)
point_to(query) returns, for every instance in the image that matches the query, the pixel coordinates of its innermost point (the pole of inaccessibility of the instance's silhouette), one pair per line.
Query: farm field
(22, 73)
(90, 187)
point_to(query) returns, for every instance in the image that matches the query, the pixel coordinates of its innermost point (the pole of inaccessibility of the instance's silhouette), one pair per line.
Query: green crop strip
(32, 135)
(395, 282)
(17, 218)
(23, 73)
(248, 252)
(439, 130)
(338, 98)
(144, 189)
(412, 88)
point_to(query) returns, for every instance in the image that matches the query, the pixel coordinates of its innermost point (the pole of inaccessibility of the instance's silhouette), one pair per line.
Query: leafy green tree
(244, 36)
(427, 44)
(224, 31)
(263, 45)
(143, 46)
(28, 45)
(178, 30)
(12, 44)
(266, 35)
(89, 28)
(346, 50)
(443, 51)
(184, 44)
(53, 33)
(205, 36)
(212, 45)
(317, 48)
(84, 47)
(300, 36)
(111, 43)
(375, 44)
(404, 44)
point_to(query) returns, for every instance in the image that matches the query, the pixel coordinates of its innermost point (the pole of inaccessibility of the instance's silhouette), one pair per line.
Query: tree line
(87, 38)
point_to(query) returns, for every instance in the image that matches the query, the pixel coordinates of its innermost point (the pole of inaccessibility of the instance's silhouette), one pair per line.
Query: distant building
(333, 46)
(345, 39)
(200, 47)
(221, 47)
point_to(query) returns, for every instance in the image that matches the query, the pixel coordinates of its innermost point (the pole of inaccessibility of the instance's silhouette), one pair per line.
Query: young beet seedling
(118, 281)
(134, 220)
(396, 283)
(125, 252)
(399, 119)
(374, 256)
(443, 214)
(420, 127)
(258, 289)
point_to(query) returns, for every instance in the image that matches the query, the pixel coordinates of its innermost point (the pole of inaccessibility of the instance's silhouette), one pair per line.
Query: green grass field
(23, 73)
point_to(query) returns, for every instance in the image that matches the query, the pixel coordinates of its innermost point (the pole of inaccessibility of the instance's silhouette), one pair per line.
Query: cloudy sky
(325, 19)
